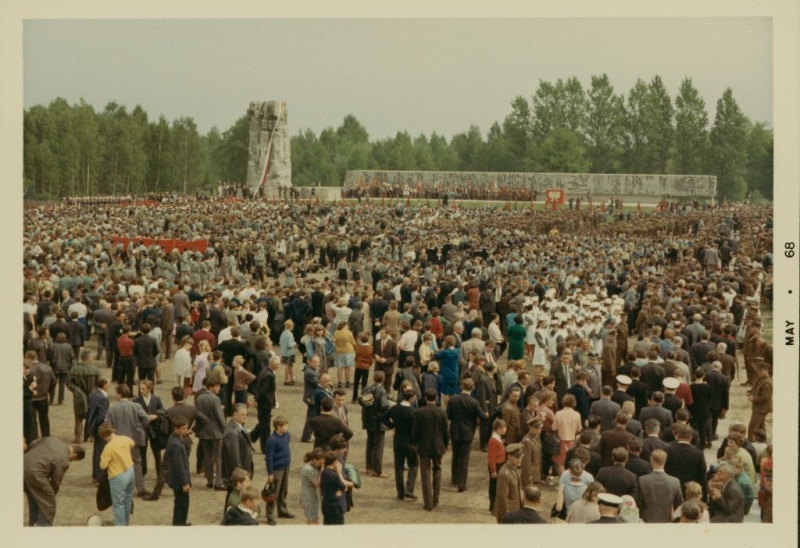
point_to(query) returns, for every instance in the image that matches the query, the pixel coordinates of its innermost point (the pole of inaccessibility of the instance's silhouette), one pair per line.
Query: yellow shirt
(116, 455)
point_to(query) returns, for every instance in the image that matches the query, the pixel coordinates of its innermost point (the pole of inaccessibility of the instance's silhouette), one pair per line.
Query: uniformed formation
(428, 303)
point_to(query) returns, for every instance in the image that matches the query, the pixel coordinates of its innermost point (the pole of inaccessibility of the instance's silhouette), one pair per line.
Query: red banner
(167, 245)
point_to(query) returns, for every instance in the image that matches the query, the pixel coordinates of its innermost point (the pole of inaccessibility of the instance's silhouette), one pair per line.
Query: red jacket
(496, 454)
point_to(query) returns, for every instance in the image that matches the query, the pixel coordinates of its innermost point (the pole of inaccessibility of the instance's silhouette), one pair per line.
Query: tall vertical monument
(269, 165)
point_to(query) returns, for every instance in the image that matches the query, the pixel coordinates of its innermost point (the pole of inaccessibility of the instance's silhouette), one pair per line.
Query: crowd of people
(435, 323)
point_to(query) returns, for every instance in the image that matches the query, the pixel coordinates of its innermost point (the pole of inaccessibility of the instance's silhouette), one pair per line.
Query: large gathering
(213, 360)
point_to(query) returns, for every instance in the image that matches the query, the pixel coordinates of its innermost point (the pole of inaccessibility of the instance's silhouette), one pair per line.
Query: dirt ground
(374, 503)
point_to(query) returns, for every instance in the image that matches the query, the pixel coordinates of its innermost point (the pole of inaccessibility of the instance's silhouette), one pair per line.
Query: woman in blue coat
(448, 368)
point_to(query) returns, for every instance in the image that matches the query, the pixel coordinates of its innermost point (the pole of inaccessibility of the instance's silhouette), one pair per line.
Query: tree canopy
(561, 127)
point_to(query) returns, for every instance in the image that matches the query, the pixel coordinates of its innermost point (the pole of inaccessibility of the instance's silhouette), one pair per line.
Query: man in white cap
(609, 508)
(671, 401)
(620, 396)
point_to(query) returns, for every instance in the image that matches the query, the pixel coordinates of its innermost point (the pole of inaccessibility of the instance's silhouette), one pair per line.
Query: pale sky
(419, 75)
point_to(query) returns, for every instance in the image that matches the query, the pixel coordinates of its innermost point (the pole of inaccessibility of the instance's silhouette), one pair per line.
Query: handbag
(551, 443)
(351, 473)
(268, 493)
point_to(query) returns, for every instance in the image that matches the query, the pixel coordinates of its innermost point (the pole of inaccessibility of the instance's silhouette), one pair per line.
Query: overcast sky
(419, 75)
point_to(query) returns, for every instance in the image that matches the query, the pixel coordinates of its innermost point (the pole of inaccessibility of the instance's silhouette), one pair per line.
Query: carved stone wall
(575, 184)
(269, 165)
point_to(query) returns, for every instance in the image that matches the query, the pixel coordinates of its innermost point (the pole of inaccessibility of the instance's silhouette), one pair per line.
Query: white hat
(624, 379)
(671, 383)
(608, 499)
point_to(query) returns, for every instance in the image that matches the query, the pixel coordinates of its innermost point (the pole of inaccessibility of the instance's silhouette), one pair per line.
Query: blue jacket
(278, 453)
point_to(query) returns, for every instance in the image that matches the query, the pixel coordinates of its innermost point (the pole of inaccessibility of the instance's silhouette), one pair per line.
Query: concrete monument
(269, 166)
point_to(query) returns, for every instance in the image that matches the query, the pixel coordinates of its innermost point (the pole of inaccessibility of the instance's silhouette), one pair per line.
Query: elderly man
(726, 499)
(474, 344)
(43, 469)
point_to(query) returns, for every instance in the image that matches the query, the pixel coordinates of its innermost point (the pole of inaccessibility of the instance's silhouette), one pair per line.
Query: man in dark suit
(207, 402)
(155, 409)
(685, 461)
(486, 396)
(237, 448)
(129, 419)
(617, 479)
(178, 473)
(656, 411)
(430, 437)
(621, 395)
(564, 373)
(652, 441)
(726, 499)
(400, 418)
(371, 422)
(145, 349)
(699, 350)
(265, 399)
(638, 391)
(377, 308)
(719, 391)
(95, 416)
(652, 374)
(326, 425)
(659, 493)
(231, 348)
(183, 306)
(605, 409)
(463, 413)
(616, 437)
(310, 383)
(385, 353)
(167, 324)
(635, 463)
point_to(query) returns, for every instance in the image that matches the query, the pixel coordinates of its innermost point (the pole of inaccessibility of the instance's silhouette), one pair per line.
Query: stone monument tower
(269, 166)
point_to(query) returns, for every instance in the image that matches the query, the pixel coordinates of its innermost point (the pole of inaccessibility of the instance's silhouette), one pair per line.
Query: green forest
(74, 150)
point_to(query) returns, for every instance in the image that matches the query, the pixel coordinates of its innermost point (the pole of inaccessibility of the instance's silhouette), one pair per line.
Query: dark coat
(729, 508)
(327, 426)
(557, 371)
(154, 408)
(652, 375)
(145, 348)
(235, 516)
(638, 465)
(96, 415)
(486, 394)
(81, 382)
(650, 444)
(638, 391)
(177, 459)
(610, 440)
(687, 463)
(463, 412)
(237, 450)
(523, 515)
(265, 389)
(719, 390)
(618, 480)
(430, 432)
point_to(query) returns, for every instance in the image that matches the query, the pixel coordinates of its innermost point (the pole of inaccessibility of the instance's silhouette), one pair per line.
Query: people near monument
(467, 263)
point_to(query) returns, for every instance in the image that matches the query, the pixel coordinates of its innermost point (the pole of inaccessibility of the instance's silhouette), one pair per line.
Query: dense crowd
(412, 314)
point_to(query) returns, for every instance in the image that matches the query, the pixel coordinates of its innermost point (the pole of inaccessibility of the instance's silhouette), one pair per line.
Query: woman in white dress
(200, 366)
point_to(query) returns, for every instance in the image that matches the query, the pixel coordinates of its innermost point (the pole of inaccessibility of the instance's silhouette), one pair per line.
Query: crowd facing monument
(591, 355)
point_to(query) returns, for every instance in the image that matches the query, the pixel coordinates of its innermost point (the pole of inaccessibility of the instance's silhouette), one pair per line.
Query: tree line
(562, 128)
